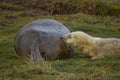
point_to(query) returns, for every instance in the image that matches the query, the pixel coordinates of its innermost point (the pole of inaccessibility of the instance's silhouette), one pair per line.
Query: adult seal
(41, 40)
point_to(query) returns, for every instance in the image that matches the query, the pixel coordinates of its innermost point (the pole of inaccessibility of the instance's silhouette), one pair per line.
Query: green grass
(78, 67)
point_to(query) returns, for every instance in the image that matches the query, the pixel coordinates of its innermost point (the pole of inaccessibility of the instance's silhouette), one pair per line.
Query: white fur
(94, 47)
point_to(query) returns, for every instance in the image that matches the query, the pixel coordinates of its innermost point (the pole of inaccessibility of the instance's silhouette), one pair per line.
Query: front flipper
(35, 53)
(97, 57)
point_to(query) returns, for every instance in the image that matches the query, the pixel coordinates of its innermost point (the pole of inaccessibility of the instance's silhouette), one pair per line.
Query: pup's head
(70, 38)
(76, 38)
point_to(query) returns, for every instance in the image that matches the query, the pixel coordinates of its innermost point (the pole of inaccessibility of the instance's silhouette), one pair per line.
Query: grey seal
(41, 40)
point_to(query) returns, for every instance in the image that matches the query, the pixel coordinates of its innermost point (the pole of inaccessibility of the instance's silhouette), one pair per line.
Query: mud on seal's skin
(41, 40)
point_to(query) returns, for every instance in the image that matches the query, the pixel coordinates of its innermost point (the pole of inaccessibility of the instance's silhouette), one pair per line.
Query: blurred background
(39, 7)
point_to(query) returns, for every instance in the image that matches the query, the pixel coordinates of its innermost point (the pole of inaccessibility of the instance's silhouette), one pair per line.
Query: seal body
(41, 39)
(94, 47)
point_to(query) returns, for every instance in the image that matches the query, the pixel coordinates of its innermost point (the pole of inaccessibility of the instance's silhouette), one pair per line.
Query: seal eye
(69, 36)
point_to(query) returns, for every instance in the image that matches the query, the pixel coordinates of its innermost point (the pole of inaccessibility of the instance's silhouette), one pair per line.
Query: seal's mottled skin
(41, 40)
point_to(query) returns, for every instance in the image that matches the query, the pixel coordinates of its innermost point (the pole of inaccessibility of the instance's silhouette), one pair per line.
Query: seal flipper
(35, 53)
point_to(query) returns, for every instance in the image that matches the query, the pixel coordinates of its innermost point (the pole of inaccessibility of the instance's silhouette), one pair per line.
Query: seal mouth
(63, 38)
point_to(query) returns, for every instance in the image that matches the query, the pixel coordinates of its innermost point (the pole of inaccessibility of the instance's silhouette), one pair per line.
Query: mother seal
(41, 39)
